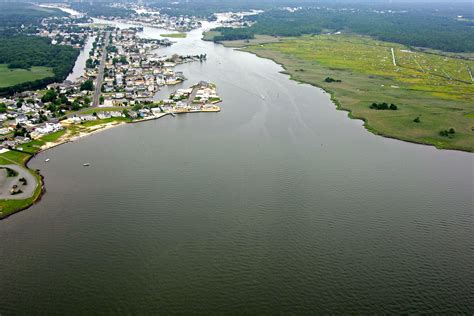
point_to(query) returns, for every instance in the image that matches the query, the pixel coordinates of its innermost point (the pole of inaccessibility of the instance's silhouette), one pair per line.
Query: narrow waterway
(80, 65)
(279, 203)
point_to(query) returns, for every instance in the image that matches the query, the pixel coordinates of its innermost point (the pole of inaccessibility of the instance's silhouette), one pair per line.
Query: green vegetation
(174, 35)
(87, 85)
(437, 88)
(15, 157)
(448, 132)
(35, 145)
(10, 172)
(421, 27)
(211, 35)
(8, 207)
(11, 77)
(328, 79)
(383, 106)
(22, 53)
(16, 14)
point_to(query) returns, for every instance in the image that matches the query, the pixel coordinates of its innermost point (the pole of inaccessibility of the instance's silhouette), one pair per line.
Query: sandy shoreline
(84, 131)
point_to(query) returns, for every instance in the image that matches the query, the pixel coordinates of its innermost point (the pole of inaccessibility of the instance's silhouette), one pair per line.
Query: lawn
(11, 77)
(13, 157)
(436, 88)
(8, 207)
(174, 35)
(35, 145)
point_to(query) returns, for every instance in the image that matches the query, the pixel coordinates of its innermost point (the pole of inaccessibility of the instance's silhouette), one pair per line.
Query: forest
(414, 27)
(16, 14)
(206, 8)
(22, 51)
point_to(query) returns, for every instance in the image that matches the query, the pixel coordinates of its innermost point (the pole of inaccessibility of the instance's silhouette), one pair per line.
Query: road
(6, 183)
(393, 57)
(100, 75)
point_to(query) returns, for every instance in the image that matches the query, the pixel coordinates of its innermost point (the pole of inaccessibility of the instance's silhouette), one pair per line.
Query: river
(277, 204)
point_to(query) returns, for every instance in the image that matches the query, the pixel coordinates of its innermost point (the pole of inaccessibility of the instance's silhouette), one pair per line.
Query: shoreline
(337, 103)
(64, 140)
(350, 114)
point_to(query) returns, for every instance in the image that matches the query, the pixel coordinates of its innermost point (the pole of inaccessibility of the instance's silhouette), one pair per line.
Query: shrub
(383, 106)
(329, 80)
(448, 133)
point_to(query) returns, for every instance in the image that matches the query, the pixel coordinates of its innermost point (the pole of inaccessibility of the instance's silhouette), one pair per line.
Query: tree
(63, 98)
(393, 107)
(137, 107)
(101, 99)
(89, 63)
(49, 96)
(87, 101)
(87, 85)
(75, 106)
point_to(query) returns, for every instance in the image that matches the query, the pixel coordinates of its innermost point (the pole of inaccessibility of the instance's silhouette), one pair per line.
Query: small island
(174, 35)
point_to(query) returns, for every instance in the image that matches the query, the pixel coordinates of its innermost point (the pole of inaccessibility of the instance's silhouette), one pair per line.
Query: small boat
(47, 159)
(86, 164)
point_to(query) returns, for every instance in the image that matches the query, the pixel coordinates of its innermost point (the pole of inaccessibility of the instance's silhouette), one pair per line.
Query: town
(122, 75)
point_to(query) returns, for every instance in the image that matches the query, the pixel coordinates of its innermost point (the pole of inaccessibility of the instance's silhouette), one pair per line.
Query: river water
(79, 66)
(277, 204)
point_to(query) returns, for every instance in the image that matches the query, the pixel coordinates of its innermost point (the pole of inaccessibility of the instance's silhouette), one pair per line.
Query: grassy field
(437, 89)
(8, 207)
(10, 77)
(35, 145)
(174, 35)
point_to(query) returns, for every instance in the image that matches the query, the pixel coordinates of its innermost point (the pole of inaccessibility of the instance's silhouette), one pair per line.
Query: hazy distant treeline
(17, 14)
(414, 28)
(100, 9)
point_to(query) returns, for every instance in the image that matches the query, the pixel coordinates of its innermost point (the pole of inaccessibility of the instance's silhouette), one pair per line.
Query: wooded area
(22, 51)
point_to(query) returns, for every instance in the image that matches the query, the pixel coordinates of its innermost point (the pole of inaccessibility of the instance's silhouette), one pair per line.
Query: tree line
(21, 51)
(16, 14)
(101, 9)
(413, 28)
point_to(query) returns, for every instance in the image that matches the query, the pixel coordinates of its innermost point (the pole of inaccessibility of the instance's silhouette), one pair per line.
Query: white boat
(47, 159)
(86, 164)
